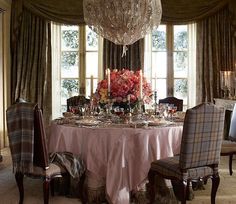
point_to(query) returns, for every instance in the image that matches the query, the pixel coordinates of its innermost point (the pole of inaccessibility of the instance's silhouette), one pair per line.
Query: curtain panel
(133, 60)
(31, 61)
(215, 52)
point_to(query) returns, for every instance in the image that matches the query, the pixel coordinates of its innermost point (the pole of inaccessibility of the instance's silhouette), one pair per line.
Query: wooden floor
(33, 187)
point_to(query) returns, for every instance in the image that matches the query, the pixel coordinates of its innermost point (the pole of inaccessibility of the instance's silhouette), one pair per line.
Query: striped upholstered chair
(199, 153)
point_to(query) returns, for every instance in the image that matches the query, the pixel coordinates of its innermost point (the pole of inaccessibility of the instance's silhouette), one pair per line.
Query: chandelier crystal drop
(122, 21)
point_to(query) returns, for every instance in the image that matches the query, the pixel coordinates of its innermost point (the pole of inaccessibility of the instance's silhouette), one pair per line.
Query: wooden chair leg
(184, 192)
(230, 164)
(215, 184)
(46, 184)
(151, 178)
(19, 180)
(52, 187)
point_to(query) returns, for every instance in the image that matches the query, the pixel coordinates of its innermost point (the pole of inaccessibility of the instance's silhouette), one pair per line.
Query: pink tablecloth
(121, 155)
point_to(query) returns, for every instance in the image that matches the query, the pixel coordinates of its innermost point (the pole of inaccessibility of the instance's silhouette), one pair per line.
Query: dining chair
(76, 101)
(199, 152)
(173, 100)
(229, 146)
(28, 147)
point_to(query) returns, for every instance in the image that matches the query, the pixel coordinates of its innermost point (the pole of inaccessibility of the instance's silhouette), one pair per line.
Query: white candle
(108, 80)
(91, 84)
(141, 85)
(155, 85)
(128, 98)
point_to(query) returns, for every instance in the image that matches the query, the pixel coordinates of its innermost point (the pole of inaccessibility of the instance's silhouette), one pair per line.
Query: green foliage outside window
(71, 38)
(70, 85)
(181, 86)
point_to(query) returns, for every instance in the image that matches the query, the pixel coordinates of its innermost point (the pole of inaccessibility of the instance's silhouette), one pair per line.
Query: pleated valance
(177, 11)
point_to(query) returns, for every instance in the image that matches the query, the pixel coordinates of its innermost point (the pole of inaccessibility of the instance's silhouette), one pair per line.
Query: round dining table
(119, 154)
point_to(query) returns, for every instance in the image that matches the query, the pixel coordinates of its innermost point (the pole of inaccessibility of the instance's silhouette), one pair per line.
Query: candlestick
(91, 84)
(141, 85)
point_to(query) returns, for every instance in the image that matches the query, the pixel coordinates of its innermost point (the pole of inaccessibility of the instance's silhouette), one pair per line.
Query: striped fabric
(200, 146)
(202, 136)
(20, 125)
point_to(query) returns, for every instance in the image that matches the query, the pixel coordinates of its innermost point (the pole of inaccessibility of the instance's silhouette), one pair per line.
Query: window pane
(181, 89)
(159, 38)
(91, 64)
(70, 37)
(69, 88)
(69, 65)
(180, 64)
(180, 37)
(159, 64)
(161, 88)
(92, 40)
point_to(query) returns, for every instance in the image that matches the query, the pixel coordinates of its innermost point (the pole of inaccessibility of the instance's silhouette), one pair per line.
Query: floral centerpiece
(124, 88)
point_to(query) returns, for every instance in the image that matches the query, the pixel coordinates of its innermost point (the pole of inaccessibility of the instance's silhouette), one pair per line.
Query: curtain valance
(71, 12)
(183, 11)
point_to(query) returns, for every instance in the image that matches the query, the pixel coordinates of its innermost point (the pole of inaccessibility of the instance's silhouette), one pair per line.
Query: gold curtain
(133, 60)
(182, 11)
(215, 52)
(31, 61)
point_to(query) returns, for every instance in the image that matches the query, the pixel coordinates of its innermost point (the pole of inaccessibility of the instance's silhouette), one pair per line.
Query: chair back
(202, 136)
(76, 101)
(173, 100)
(232, 129)
(26, 137)
(41, 157)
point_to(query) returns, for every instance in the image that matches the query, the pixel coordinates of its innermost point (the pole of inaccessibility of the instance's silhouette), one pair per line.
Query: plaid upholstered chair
(28, 147)
(199, 153)
(229, 146)
(173, 100)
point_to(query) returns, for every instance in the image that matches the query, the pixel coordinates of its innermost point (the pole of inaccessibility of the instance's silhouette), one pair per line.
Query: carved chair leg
(230, 164)
(19, 180)
(184, 192)
(215, 184)
(46, 184)
(151, 178)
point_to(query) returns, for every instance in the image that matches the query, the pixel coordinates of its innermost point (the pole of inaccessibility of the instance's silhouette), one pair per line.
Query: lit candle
(91, 84)
(155, 85)
(108, 80)
(141, 85)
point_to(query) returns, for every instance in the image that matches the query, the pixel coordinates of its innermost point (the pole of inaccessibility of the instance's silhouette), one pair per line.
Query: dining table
(120, 154)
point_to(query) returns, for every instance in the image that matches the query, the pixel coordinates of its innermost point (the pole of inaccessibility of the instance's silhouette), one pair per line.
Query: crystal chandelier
(122, 21)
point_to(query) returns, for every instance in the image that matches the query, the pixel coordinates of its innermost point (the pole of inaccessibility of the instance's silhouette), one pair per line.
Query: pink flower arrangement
(124, 84)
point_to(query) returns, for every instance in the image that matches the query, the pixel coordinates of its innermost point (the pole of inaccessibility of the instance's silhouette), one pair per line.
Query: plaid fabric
(202, 136)
(72, 163)
(20, 124)
(170, 167)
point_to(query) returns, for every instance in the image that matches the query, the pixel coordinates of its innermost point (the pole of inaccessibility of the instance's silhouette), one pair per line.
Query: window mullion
(170, 62)
(82, 60)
